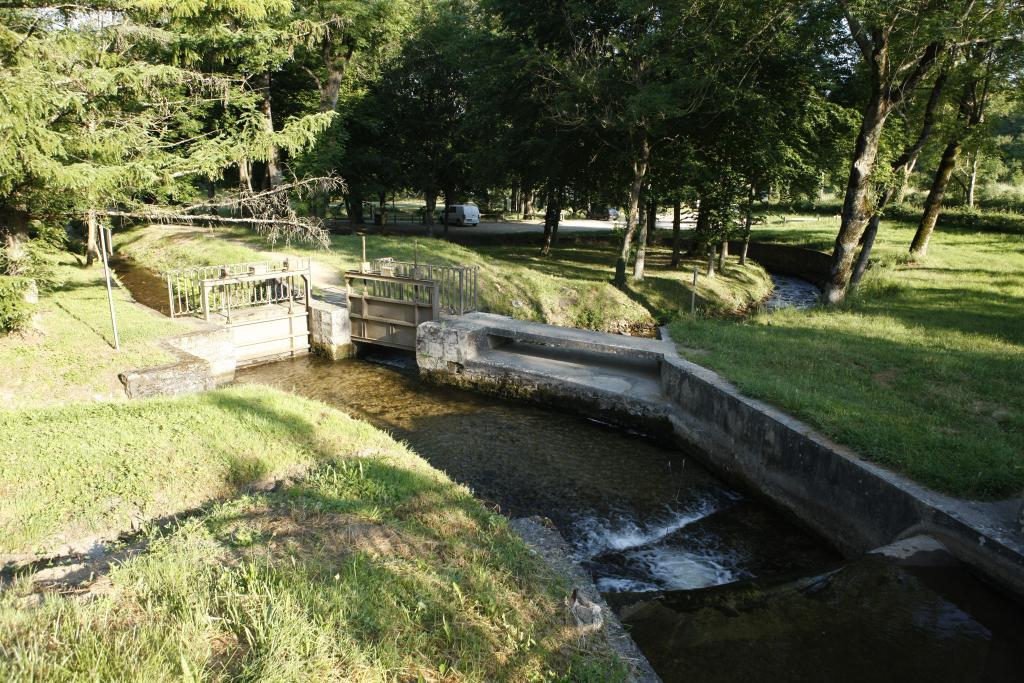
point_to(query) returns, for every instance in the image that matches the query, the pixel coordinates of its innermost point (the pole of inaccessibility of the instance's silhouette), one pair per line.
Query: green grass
(365, 565)
(67, 353)
(571, 288)
(664, 291)
(923, 371)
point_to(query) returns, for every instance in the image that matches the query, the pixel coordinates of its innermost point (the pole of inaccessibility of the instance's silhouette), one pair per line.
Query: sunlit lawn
(922, 372)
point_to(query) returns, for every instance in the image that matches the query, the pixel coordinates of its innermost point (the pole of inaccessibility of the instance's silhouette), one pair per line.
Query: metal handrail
(200, 290)
(457, 285)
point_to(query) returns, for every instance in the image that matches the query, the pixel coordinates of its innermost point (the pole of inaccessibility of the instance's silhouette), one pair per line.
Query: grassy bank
(363, 564)
(572, 287)
(67, 353)
(922, 371)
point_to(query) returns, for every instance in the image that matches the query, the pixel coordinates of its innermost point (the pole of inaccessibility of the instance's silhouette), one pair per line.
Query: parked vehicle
(602, 213)
(463, 214)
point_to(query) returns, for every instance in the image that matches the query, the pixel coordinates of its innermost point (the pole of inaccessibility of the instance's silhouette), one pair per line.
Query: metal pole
(693, 293)
(104, 240)
(170, 296)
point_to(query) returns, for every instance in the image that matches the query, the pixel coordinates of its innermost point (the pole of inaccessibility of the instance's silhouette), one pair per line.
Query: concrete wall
(330, 330)
(205, 360)
(788, 260)
(853, 503)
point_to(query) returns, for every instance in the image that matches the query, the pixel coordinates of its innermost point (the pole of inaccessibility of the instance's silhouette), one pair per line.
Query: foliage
(15, 311)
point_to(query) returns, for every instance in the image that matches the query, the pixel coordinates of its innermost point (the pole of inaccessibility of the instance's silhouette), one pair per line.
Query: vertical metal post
(104, 241)
(693, 293)
(170, 296)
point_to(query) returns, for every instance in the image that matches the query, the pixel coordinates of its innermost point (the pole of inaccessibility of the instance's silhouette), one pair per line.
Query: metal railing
(205, 290)
(456, 285)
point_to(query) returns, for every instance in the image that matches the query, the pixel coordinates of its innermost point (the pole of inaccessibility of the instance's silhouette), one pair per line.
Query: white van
(463, 214)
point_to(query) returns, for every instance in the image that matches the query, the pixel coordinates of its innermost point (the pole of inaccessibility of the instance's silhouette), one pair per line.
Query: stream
(714, 583)
(791, 292)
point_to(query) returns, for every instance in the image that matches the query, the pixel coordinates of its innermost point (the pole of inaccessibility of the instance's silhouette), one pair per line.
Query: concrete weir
(643, 383)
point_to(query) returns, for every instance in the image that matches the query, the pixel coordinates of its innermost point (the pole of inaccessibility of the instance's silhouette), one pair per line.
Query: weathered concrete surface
(855, 504)
(552, 548)
(330, 327)
(205, 360)
(611, 377)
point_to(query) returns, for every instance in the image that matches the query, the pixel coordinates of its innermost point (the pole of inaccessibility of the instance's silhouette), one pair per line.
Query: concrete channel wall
(207, 358)
(856, 505)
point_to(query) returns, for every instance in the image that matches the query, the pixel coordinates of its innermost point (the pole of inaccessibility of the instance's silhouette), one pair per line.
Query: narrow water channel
(714, 584)
(791, 292)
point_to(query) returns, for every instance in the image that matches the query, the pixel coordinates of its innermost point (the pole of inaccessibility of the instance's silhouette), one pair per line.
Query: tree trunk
(354, 201)
(972, 180)
(723, 253)
(633, 210)
(856, 212)
(273, 175)
(710, 272)
(430, 200)
(908, 171)
(336, 67)
(933, 204)
(92, 248)
(14, 228)
(527, 203)
(552, 217)
(514, 200)
(245, 175)
(449, 199)
(701, 229)
(901, 167)
(641, 245)
(748, 223)
(677, 219)
(869, 241)
(652, 223)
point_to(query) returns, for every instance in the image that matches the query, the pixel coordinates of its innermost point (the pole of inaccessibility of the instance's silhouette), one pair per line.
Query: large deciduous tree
(898, 45)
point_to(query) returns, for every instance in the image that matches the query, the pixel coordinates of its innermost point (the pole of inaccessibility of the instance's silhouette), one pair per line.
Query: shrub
(15, 312)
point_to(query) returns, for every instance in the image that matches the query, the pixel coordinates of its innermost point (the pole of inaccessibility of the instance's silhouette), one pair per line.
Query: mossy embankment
(572, 287)
(266, 536)
(921, 371)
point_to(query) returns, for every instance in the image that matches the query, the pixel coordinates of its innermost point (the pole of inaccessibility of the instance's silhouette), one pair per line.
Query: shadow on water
(714, 584)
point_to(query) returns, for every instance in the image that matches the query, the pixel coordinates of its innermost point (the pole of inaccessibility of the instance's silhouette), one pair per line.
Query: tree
(986, 71)
(108, 108)
(898, 45)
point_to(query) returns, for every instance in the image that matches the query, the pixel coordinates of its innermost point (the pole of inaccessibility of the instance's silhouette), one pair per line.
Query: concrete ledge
(852, 502)
(556, 554)
(205, 360)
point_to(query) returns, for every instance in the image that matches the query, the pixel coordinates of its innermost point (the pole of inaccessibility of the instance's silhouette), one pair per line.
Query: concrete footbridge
(609, 376)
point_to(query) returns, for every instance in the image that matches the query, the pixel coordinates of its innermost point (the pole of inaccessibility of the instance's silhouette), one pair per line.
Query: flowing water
(714, 584)
(792, 292)
(640, 516)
